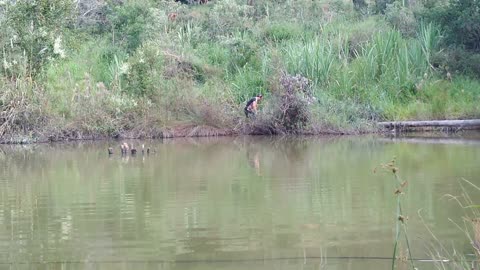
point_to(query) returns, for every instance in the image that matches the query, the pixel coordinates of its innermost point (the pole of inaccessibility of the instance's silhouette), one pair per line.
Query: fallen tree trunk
(420, 140)
(454, 124)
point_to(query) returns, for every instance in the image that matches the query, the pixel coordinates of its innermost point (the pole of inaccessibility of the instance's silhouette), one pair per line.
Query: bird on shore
(133, 149)
(449, 76)
(124, 148)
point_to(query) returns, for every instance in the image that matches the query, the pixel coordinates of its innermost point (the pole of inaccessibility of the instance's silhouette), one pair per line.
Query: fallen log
(452, 124)
(420, 140)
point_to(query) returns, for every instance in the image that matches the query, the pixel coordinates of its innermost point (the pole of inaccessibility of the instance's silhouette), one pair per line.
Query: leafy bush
(91, 15)
(144, 71)
(21, 110)
(247, 83)
(214, 53)
(401, 18)
(189, 69)
(127, 23)
(362, 32)
(360, 6)
(313, 59)
(460, 19)
(93, 57)
(381, 5)
(242, 52)
(282, 31)
(456, 60)
(31, 32)
(228, 17)
(289, 110)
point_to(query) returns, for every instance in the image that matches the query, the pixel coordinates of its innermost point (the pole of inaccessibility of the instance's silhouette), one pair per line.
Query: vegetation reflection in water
(225, 203)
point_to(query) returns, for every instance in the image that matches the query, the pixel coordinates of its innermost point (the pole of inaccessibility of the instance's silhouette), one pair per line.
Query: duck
(124, 148)
(133, 149)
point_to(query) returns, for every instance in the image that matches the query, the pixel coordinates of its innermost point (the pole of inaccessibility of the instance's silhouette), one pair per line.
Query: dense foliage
(460, 23)
(139, 68)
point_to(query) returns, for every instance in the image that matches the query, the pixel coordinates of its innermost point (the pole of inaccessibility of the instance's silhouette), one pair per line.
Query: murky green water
(227, 203)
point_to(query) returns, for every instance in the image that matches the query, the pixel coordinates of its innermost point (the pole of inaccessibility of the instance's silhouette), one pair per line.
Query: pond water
(229, 203)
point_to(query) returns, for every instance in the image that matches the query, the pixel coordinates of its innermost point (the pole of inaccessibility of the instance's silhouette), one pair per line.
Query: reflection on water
(226, 203)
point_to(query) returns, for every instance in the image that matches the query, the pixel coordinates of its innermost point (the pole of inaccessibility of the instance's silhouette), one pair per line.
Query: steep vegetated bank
(89, 69)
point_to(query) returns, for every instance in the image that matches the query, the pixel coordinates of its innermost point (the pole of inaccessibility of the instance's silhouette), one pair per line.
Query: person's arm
(254, 105)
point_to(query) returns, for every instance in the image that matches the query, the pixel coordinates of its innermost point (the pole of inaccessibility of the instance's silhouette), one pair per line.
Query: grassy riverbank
(161, 68)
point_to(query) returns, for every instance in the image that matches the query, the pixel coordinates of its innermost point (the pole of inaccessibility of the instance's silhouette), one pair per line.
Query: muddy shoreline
(181, 131)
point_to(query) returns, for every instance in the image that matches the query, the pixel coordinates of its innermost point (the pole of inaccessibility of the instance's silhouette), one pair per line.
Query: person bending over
(252, 104)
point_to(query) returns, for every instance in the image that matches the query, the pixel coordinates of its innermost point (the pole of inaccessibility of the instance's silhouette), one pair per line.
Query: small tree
(31, 32)
(463, 23)
(127, 23)
(459, 19)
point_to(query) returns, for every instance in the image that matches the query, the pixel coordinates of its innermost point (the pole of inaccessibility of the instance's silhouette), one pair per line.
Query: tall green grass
(446, 256)
(313, 59)
(401, 228)
(429, 37)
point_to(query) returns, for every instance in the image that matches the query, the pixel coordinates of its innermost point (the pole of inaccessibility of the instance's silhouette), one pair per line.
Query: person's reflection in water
(125, 158)
(253, 157)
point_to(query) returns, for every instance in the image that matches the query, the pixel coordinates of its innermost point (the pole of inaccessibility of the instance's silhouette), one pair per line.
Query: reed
(429, 37)
(401, 218)
(446, 257)
(313, 59)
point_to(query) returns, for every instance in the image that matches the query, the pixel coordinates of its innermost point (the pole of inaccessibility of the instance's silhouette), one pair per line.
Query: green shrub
(214, 53)
(144, 71)
(228, 16)
(401, 18)
(93, 57)
(313, 59)
(381, 5)
(460, 20)
(359, 33)
(247, 82)
(22, 109)
(360, 6)
(242, 52)
(31, 32)
(127, 23)
(282, 31)
(458, 61)
(288, 110)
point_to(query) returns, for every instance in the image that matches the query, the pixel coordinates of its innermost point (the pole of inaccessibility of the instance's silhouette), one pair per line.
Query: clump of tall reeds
(400, 217)
(476, 234)
(446, 258)
(21, 112)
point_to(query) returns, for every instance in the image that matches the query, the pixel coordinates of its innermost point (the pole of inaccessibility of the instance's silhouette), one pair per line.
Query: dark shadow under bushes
(458, 61)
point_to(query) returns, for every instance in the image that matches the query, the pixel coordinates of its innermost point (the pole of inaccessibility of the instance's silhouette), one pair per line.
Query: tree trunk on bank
(407, 125)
